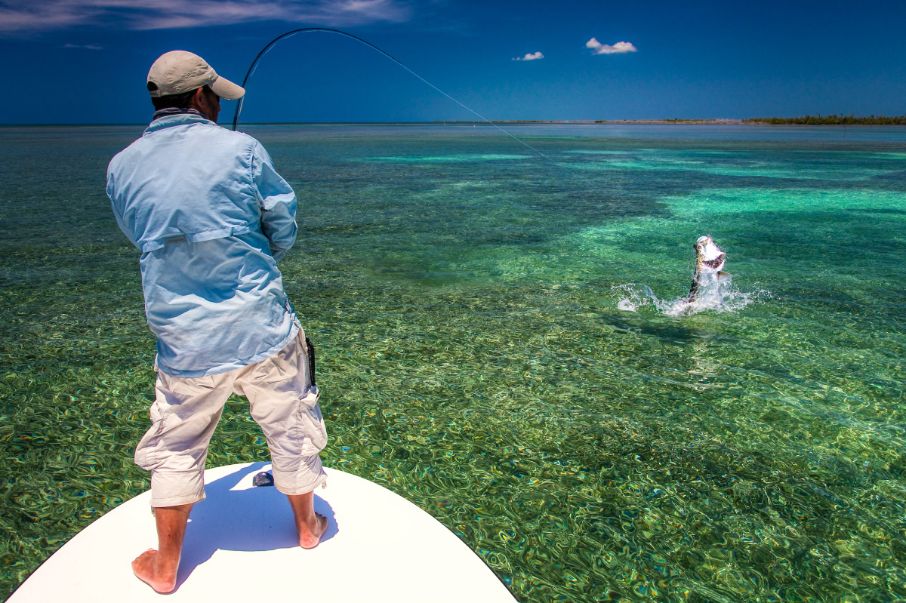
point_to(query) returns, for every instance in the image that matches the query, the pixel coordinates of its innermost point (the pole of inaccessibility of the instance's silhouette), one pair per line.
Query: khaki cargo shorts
(282, 400)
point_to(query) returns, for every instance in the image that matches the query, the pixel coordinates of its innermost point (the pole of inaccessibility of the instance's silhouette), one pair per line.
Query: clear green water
(463, 294)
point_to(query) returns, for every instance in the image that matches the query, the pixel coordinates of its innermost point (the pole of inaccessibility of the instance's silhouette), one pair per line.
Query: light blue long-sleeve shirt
(210, 216)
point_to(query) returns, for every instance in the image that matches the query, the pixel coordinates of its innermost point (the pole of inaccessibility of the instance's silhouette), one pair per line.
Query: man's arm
(277, 201)
(117, 210)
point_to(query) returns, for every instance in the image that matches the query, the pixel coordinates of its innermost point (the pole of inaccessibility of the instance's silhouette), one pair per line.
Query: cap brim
(224, 88)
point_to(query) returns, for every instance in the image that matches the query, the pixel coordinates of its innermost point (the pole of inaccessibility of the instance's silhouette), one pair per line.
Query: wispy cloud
(84, 46)
(618, 48)
(530, 56)
(24, 17)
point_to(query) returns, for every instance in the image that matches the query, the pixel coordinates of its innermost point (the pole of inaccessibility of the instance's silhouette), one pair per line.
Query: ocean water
(496, 343)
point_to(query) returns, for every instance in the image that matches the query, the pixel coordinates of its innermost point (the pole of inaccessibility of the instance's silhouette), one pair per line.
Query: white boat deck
(240, 547)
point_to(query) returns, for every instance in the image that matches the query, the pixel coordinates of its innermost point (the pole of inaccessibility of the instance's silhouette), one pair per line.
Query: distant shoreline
(808, 120)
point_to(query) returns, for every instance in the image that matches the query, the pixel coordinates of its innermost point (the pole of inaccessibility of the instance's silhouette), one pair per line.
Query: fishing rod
(381, 51)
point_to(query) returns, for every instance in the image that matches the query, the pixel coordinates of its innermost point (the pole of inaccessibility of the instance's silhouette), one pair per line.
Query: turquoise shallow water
(465, 295)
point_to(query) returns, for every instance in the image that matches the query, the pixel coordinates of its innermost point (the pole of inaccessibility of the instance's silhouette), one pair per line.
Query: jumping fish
(709, 263)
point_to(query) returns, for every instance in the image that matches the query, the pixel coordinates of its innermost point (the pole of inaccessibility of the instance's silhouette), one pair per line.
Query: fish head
(708, 256)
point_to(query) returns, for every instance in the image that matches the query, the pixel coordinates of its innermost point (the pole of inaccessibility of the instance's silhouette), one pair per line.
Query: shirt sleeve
(117, 210)
(277, 201)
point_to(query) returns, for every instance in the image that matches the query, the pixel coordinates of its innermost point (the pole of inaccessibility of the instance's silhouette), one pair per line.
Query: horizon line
(455, 122)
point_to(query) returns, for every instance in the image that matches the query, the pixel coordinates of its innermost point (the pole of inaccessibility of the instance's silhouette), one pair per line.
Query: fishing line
(292, 32)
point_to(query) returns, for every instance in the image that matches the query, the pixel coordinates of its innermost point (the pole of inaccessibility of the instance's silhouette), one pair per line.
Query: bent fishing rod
(267, 47)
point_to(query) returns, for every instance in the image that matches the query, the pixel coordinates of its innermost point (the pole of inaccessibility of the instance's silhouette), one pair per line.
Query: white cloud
(24, 17)
(84, 46)
(618, 48)
(530, 56)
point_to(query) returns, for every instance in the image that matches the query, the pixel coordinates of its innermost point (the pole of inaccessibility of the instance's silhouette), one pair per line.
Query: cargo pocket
(163, 401)
(310, 428)
(147, 451)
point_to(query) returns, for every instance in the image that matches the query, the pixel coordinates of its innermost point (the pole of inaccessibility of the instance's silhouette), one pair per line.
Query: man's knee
(174, 488)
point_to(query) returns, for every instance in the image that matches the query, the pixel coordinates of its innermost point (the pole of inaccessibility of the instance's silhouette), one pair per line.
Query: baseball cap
(180, 71)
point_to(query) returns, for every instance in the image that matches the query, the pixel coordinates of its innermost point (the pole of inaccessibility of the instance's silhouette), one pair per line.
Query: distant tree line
(832, 120)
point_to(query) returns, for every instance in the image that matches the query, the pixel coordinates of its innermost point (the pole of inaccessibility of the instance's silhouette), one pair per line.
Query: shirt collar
(175, 111)
(165, 118)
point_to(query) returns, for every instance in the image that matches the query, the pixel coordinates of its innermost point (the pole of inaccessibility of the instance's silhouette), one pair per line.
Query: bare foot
(147, 567)
(310, 535)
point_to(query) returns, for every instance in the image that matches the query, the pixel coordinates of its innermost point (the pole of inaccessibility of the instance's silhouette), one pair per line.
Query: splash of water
(714, 295)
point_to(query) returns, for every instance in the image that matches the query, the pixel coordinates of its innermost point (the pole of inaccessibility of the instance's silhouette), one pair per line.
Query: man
(211, 217)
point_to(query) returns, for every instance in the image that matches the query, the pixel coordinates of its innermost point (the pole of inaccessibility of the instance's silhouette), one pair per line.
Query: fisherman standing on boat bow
(211, 218)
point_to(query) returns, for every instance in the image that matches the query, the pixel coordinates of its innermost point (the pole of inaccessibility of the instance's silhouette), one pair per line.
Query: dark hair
(176, 101)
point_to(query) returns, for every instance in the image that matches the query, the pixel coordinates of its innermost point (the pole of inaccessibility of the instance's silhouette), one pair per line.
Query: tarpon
(709, 263)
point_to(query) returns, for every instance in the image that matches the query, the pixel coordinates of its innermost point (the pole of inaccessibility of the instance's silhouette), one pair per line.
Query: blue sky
(85, 61)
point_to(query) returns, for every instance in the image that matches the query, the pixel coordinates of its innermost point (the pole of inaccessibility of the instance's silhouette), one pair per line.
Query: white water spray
(722, 296)
(712, 289)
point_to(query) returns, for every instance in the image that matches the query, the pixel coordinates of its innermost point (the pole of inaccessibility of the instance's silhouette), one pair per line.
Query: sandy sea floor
(465, 297)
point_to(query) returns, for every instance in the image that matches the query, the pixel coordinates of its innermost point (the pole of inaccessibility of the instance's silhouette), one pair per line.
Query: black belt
(311, 359)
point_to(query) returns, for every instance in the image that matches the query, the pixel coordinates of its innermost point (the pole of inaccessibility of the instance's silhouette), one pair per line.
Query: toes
(141, 559)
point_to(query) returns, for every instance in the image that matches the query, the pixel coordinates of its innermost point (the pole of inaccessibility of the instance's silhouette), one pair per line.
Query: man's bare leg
(310, 525)
(158, 568)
